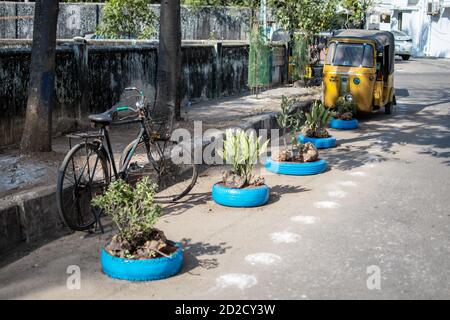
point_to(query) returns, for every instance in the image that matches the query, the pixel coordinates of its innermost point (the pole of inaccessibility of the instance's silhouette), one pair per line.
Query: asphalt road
(383, 209)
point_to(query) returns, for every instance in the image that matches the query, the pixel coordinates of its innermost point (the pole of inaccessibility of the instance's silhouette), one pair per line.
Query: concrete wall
(91, 78)
(77, 19)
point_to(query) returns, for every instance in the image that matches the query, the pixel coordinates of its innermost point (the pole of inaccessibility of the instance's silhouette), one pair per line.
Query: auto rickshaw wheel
(388, 108)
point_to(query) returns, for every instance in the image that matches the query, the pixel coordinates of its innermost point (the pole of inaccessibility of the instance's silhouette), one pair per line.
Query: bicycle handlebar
(140, 105)
(134, 89)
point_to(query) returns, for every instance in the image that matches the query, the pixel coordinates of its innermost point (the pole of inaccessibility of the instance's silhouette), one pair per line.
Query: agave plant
(242, 150)
(317, 120)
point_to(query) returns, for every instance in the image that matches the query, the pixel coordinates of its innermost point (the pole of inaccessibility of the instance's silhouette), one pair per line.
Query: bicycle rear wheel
(82, 175)
(169, 164)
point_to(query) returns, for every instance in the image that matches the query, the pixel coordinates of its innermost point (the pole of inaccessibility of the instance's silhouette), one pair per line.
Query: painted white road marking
(326, 205)
(239, 280)
(337, 194)
(284, 237)
(262, 258)
(305, 219)
(348, 183)
(358, 174)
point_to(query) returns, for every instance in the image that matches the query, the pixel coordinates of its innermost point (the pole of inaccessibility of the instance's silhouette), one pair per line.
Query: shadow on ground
(195, 253)
(427, 129)
(277, 192)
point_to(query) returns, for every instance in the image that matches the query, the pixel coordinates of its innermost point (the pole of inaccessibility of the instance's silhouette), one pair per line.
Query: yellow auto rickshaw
(359, 66)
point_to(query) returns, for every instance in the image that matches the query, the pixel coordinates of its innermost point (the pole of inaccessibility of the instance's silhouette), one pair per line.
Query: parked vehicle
(360, 67)
(90, 165)
(403, 44)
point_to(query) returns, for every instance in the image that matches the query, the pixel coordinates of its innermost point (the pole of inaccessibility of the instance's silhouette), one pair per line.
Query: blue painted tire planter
(296, 168)
(344, 124)
(142, 270)
(247, 197)
(319, 143)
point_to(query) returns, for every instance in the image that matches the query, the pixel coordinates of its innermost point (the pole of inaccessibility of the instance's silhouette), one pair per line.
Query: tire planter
(319, 143)
(142, 270)
(344, 124)
(247, 197)
(296, 168)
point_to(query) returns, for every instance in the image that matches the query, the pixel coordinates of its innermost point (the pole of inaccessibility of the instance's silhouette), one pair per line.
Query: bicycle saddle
(104, 118)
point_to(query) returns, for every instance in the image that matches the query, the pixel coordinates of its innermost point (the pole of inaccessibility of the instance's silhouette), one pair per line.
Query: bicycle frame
(142, 136)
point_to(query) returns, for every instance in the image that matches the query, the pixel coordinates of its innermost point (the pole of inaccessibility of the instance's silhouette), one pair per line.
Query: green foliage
(128, 19)
(318, 119)
(217, 3)
(301, 56)
(242, 150)
(288, 121)
(310, 17)
(345, 110)
(133, 210)
(258, 69)
(358, 10)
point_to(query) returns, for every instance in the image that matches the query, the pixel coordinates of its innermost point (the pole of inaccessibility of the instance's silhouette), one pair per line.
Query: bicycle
(89, 166)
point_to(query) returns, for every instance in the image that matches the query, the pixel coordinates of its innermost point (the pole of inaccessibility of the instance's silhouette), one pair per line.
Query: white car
(403, 44)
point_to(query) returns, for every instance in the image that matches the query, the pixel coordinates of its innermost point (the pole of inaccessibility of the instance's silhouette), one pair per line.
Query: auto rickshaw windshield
(350, 54)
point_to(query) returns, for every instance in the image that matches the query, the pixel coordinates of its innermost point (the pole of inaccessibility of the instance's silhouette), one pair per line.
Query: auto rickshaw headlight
(348, 98)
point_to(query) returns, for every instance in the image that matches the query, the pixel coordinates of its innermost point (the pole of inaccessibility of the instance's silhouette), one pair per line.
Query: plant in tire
(290, 124)
(242, 151)
(344, 110)
(134, 212)
(316, 121)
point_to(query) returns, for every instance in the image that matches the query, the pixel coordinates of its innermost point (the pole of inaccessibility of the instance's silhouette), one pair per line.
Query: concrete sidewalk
(27, 185)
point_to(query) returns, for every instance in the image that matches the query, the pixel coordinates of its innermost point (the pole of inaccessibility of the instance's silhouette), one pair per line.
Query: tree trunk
(168, 97)
(37, 133)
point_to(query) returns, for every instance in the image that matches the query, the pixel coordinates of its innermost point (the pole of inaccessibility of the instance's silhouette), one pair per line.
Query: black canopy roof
(382, 38)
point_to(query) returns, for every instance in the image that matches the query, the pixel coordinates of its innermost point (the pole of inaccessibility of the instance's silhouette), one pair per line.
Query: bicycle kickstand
(98, 222)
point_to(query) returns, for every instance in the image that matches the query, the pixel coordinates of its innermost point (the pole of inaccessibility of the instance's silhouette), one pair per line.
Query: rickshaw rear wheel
(388, 108)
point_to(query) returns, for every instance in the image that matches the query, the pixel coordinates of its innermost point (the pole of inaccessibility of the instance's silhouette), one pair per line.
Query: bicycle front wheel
(82, 175)
(169, 164)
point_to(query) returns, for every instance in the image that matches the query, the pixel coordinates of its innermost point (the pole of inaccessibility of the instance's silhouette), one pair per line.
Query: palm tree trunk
(37, 134)
(168, 97)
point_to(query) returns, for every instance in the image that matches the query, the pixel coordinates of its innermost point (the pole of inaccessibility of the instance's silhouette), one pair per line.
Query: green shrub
(133, 210)
(300, 57)
(128, 19)
(345, 110)
(289, 121)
